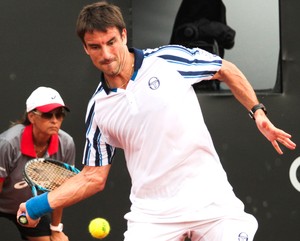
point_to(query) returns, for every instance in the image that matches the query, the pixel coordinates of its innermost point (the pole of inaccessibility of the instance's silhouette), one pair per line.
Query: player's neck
(122, 79)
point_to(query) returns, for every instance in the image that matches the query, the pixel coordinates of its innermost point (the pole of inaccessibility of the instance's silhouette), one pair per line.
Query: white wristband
(58, 228)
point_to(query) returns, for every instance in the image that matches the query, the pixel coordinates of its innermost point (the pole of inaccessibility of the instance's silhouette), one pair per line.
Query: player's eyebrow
(111, 40)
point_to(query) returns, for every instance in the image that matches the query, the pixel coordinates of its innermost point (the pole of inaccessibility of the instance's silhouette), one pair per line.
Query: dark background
(39, 47)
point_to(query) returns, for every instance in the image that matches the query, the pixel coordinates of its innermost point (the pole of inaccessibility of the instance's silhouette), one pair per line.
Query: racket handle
(22, 219)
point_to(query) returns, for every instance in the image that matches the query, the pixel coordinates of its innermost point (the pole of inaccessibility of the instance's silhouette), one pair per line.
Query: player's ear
(124, 36)
(85, 49)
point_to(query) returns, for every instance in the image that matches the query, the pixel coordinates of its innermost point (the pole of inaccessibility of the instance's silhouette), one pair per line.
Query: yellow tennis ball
(99, 228)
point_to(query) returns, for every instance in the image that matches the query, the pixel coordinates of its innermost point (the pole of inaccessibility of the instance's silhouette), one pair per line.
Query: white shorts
(240, 227)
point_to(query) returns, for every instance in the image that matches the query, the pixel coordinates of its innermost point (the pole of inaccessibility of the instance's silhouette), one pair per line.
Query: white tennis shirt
(157, 120)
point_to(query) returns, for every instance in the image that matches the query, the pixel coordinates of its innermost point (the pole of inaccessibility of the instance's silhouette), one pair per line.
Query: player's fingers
(276, 146)
(287, 143)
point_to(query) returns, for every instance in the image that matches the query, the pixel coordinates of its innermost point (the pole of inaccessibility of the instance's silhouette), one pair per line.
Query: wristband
(38, 206)
(58, 228)
(255, 108)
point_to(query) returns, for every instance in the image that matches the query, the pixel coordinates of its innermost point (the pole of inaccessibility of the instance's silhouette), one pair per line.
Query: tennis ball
(99, 228)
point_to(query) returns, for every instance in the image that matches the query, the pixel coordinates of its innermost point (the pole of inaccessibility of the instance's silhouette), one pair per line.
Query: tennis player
(37, 134)
(146, 105)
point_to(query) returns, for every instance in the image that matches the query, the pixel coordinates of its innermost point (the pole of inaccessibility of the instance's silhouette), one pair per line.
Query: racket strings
(48, 175)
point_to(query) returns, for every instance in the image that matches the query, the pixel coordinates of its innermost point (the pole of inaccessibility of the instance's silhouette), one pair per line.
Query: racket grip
(22, 219)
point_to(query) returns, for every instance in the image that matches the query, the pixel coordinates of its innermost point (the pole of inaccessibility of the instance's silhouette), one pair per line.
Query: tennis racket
(45, 175)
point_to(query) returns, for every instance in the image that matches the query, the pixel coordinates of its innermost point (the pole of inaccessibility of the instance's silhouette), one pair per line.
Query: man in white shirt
(146, 105)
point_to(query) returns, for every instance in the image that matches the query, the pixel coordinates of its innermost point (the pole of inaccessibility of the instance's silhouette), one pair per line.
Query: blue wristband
(38, 206)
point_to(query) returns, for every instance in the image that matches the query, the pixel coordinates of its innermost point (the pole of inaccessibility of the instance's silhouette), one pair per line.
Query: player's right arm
(83, 185)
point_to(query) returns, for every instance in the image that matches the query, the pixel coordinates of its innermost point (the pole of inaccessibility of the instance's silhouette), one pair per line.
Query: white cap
(44, 99)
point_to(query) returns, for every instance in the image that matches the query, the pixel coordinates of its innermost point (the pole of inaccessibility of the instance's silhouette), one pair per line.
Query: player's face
(107, 50)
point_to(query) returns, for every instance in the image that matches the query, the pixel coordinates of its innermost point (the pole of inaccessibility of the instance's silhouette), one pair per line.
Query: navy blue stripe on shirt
(96, 146)
(110, 153)
(197, 74)
(87, 130)
(89, 118)
(87, 152)
(184, 61)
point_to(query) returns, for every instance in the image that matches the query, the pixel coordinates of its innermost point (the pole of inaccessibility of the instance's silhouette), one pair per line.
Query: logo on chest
(154, 83)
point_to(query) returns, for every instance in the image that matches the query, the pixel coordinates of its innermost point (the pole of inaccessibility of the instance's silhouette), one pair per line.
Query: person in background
(200, 23)
(37, 135)
(145, 104)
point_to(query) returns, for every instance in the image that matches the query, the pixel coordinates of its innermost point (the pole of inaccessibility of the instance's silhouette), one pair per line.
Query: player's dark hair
(99, 16)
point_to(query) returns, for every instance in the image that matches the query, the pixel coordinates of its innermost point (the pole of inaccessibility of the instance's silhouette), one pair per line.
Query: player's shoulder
(179, 54)
(178, 51)
(164, 50)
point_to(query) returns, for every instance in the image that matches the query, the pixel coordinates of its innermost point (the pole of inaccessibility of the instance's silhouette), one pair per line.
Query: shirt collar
(27, 145)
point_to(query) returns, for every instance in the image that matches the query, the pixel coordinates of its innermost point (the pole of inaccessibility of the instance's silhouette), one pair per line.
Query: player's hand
(273, 134)
(58, 236)
(31, 222)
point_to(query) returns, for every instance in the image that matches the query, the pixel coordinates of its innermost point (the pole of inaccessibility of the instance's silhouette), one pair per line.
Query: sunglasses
(49, 115)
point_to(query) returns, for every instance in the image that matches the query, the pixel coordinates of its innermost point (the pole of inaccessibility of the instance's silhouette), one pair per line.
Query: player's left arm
(89, 181)
(244, 93)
